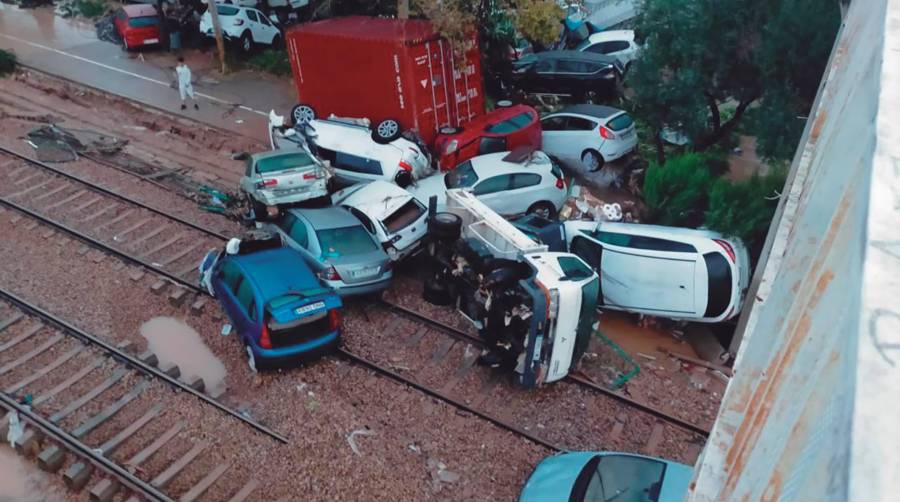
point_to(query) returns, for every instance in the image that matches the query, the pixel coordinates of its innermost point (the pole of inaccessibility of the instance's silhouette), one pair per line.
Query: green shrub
(745, 209)
(90, 8)
(274, 61)
(676, 193)
(7, 62)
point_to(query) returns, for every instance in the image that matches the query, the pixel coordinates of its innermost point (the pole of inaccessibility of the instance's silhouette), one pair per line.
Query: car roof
(378, 199)
(327, 217)
(691, 235)
(574, 55)
(597, 111)
(139, 10)
(495, 160)
(603, 36)
(275, 271)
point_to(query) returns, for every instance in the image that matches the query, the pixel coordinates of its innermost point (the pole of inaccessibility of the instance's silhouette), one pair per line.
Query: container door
(437, 75)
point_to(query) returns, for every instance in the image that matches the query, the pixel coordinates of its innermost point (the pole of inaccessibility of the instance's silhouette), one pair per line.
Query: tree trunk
(660, 148)
(217, 30)
(725, 129)
(402, 9)
(714, 112)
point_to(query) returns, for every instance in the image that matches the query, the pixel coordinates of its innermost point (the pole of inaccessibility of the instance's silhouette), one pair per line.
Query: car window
(405, 216)
(492, 145)
(249, 170)
(719, 289)
(629, 478)
(252, 310)
(143, 21)
(555, 169)
(252, 15)
(283, 162)
(264, 20)
(573, 268)
(623, 121)
(598, 48)
(357, 164)
(618, 45)
(298, 233)
(525, 180)
(226, 10)
(462, 177)
(245, 295)
(566, 66)
(644, 242)
(231, 275)
(366, 222)
(510, 125)
(493, 184)
(557, 123)
(580, 124)
(345, 241)
(544, 66)
(588, 251)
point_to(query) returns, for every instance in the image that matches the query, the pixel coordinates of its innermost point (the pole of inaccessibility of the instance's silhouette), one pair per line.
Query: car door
(268, 31)
(581, 134)
(256, 28)
(245, 308)
(492, 191)
(524, 190)
(295, 234)
(227, 281)
(544, 76)
(553, 137)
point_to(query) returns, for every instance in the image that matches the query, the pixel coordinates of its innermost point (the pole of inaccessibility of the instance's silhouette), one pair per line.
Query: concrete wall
(813, 412)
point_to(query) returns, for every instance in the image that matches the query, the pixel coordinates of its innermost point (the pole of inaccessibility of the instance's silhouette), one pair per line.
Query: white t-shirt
(184, 74)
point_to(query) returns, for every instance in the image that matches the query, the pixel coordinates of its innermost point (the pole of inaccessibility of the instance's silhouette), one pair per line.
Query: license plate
(364, 272)
(309, 308)
(151, 40)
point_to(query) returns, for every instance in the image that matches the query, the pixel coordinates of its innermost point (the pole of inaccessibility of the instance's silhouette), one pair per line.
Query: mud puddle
(174, 341)
(23, 482)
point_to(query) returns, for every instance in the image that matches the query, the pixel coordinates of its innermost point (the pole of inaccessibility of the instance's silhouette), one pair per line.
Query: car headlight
(451, 147)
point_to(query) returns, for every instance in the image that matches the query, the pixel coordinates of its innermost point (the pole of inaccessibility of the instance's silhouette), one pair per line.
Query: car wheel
(403, 178)
(436, 293)
(276, 42)
(258, 208)
(450, 130)
(386, 131)
(445, 226)
(504, 103)
(303, 113)
(246, 42)
(543, 209)
(592, 160)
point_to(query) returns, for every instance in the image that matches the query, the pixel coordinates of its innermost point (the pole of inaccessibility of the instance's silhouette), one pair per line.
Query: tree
(701, 54)
(677, 192)
(744, 209)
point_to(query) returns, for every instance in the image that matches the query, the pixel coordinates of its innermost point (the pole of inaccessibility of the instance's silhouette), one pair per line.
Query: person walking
(183, 73)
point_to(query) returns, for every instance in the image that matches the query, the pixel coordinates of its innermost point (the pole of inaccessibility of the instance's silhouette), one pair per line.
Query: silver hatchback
(346, 256)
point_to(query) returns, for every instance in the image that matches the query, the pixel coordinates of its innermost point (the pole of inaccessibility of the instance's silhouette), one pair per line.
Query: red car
(138, 25)
(501, 130)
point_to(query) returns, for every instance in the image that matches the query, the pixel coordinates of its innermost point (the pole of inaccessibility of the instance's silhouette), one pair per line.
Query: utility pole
(212, 7)
(402, 9)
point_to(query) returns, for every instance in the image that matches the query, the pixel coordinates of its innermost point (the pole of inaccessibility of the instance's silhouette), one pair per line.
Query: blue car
(606, 476)
(275, 303)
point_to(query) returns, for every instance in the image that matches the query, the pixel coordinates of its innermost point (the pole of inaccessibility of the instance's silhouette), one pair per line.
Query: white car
(293, 4)
(510, 183)
(392, 214)
(618, 43)
(246, 25)
(679, 273)
(351, 148)
(585, 137)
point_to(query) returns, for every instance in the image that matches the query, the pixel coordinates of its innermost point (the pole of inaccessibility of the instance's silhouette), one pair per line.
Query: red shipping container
(385, 69)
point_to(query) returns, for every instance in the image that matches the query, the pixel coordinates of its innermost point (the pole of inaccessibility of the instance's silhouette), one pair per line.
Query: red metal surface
(469, 139)
(385, 68)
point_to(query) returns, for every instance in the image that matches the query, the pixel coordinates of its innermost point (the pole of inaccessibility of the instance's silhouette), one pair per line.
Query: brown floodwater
(174, 341)
(21, 481)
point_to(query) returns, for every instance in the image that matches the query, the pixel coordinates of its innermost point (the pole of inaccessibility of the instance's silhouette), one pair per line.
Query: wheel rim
(388, 128)
(303, 114)
(590, 161)
(246, 44)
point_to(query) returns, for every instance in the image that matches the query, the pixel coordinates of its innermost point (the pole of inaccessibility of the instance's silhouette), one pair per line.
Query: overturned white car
(533, 308)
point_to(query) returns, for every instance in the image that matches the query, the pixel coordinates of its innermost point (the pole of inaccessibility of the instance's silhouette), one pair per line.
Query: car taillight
(238, 22)
(728, 249)
(264, 340)
(309, 176)
(334, 320)
(560, 183)
(267, 183)
(451, 147)
(606, 133)
(405, 166)
(330, 274)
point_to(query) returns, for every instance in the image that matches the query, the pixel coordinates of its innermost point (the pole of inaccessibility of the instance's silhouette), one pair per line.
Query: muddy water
(176, 342)
(23, 482)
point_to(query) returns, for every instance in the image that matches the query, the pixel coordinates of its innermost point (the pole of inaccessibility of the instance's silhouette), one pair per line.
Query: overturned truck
(533, 308)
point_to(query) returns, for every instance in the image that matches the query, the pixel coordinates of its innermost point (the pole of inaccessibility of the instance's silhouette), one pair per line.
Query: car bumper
(276, 200)
(300, 352)
(617, 151)
(344, 290)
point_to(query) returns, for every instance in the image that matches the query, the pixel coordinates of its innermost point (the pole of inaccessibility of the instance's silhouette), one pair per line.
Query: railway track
(97, 407)
(138, 225)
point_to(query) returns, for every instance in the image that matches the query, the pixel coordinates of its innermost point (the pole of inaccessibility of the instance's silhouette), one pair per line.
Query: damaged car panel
(283, 177)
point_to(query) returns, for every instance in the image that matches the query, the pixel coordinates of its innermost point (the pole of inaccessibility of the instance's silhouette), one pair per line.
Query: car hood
(378, 200)
(425, 188)
(554, 477)
(676, 482)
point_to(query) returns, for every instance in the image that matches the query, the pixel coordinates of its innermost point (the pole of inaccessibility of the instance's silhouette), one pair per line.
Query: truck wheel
(246, 42)
(436, 293)
(303, 113)
(450, 130)
(386, 131)
(445, 226)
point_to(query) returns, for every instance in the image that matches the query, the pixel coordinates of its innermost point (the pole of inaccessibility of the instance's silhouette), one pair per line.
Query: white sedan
(510, 183)
(392, 214)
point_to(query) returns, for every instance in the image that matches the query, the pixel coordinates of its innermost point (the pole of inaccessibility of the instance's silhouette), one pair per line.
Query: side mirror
(240, 156)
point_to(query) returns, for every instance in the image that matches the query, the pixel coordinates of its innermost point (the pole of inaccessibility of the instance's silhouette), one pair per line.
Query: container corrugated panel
(385, 68)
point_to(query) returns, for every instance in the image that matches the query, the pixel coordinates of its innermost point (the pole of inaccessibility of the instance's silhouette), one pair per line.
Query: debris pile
(56, 144)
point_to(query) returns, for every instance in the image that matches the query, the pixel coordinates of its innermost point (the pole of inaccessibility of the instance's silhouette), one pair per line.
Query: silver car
(339, 248)
(282, 177)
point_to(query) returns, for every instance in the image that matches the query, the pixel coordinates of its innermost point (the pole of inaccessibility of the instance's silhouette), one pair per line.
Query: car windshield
(345, 241)
(623, 121)
(403, 217)
(226, 10)
(622, 478)
(293, 296)
(283, 162)
(143, 21)
(462, 177)
(510, 125)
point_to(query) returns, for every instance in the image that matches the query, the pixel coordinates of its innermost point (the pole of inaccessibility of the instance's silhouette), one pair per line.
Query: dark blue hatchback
(276, 304)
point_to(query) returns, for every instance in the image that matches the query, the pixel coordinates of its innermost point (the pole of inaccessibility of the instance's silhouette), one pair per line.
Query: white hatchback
(510, 183)
(585, 137)
(678, 273)
(392, 214)
(617, 43)
(246, 25)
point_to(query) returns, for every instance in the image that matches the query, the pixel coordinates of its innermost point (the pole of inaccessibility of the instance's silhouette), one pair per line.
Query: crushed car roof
(378, 199)
(598, 111)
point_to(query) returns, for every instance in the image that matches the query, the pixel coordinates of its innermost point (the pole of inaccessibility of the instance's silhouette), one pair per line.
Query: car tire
(437, 293)
(445, 226)
(403, 178)
(544, 209)
(447, 130)
(592, 160)
(386, 131)
(246, 42)
(504, 103)
(276, 42)
(258, 208)
(303, 113)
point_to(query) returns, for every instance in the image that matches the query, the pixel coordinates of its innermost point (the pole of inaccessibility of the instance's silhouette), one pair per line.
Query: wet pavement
(175, 342)
(69, 48)
(21, 481)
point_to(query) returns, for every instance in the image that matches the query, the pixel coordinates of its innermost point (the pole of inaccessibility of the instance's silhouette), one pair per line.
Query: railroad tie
(26, 179)
(444, 345)
(31, 355)
(9, 321)
(86, 205)
(200, 488)
(51, 193)
(146, 237)
(417, 336)
(44, 371)
(114, 442)
(67, 200)
(165, 477)
(89, 395)
(121, 235)
(24, 336)
(125, 214)
(92, 423)
(159, 247)
(105, 209)
(656, 436)
(245, 492)
(65, 384)
(177, 256)
(141, 456)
